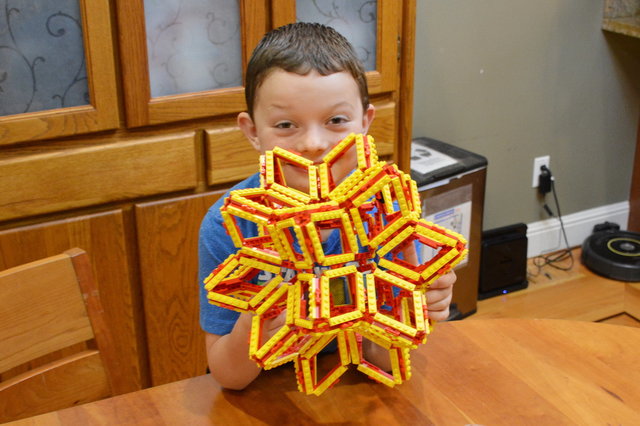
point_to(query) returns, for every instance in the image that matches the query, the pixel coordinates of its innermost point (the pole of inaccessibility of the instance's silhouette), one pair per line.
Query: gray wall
(517, 79)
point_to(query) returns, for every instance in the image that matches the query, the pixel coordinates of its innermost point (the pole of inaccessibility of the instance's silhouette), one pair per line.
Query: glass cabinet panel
(372, 26)
(57, 69)
(184, 59)
(42, 62)
(355, 19)
(192, 45)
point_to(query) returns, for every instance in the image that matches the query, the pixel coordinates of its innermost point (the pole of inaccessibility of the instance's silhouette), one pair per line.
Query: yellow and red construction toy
(377, 212)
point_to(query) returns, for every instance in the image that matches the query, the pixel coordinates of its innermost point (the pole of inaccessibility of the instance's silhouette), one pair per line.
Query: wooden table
(492, 372)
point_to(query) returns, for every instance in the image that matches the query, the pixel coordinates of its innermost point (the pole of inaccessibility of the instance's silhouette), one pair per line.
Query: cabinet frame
(140, 108)
(384, 78)
(102, 113)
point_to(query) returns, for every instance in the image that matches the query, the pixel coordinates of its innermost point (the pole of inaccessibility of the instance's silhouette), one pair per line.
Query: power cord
(546, 185)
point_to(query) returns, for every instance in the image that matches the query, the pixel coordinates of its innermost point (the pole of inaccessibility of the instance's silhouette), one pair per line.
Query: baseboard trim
(546, 235)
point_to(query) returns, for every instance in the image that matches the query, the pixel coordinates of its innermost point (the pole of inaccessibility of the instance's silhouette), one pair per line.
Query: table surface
(491, 372)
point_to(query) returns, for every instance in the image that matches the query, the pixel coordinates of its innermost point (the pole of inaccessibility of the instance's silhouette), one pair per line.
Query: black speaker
(503, 263)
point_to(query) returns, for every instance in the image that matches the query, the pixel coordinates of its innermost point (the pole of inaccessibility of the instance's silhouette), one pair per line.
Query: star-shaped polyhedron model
(381, 298)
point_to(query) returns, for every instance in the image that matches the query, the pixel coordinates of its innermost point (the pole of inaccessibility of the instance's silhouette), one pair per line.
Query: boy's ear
(368, 117)
(248, 127)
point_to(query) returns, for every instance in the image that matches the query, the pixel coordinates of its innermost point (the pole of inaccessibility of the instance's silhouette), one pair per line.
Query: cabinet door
(372, 27)
(184, 60)
(57, 72)
(168, 246)
(102, 236)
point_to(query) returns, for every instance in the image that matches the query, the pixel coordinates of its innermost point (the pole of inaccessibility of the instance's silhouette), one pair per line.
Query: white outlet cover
(537, 163)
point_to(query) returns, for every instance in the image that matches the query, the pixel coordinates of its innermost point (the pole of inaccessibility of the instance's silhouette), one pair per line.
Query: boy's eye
(284, 125)
(338, 120)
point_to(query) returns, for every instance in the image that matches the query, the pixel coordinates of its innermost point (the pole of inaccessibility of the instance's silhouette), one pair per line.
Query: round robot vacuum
(615, 255)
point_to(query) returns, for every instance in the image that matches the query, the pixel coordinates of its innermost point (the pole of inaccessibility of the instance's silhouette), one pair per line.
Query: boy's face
(308, 114)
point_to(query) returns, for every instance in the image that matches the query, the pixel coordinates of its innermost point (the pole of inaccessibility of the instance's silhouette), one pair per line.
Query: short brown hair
(300, 48)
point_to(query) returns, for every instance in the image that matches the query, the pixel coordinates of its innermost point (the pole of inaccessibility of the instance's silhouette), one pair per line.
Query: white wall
(516, 79)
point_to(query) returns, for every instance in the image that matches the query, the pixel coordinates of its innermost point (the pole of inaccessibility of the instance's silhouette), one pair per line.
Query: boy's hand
(272, 325)
(439, 296)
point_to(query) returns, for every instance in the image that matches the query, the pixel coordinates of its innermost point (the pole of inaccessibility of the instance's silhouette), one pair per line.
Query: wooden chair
(51, 320)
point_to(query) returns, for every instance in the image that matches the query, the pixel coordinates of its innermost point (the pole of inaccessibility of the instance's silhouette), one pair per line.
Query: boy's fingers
(277, 322)
(438, 299)
(445, 281)
(438, 302)
(439, 296)
(439, 315)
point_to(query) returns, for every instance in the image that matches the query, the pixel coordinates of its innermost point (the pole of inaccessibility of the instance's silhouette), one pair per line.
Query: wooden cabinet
(128, 171)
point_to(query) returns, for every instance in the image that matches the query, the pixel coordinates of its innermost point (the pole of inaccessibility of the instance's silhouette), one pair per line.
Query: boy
(305, 90)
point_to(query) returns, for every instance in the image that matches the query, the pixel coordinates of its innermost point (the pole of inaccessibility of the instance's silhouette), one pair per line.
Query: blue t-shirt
(215, 245)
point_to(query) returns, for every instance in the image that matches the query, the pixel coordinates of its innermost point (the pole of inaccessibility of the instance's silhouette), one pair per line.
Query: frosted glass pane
(193, 45)
(41, 56)
(354, 19)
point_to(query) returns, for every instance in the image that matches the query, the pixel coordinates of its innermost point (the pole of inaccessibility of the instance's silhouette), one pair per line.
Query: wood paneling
(43, 181)
(384, 128)
(168, 246)
(102, 236)
(405, 98)
(102, 113)
(388, 46)
(231, 156)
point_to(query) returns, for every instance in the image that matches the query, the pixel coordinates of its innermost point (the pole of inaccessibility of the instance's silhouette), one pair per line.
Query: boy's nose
(313, 145)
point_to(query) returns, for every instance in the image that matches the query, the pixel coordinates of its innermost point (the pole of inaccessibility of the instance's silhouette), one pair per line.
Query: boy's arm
(438, 301)
(439, 293)
(439, 297)
(228, 355)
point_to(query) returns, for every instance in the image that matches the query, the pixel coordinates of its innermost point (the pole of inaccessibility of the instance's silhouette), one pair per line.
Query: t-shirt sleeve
(214, 246)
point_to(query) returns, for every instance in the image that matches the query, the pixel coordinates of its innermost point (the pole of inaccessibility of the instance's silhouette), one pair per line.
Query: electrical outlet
(537, 163)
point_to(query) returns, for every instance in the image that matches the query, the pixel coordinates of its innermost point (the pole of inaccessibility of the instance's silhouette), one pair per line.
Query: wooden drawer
(231, 156)
(53, 179)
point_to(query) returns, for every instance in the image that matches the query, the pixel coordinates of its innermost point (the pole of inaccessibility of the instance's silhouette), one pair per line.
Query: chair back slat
(41, 311)
(51, 321)
(89, 384)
